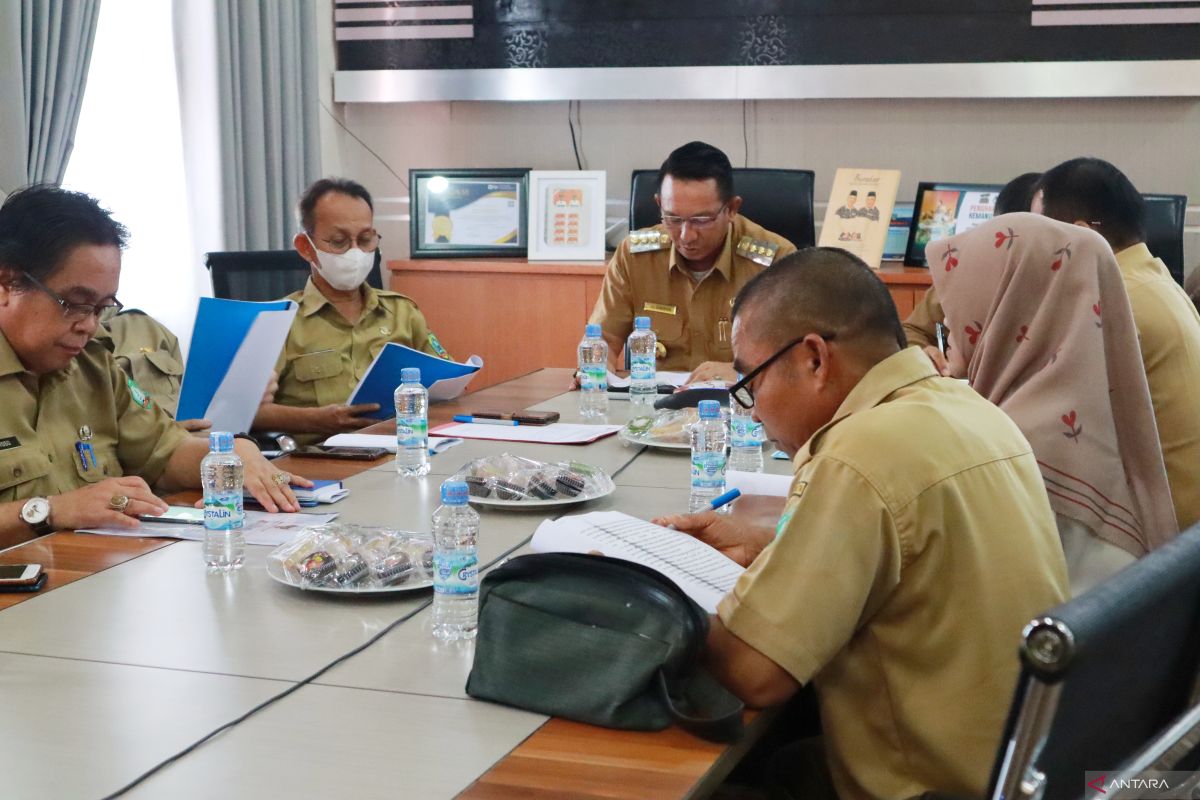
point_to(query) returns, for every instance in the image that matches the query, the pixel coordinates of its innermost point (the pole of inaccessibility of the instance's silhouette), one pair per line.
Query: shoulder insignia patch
(648, 241)
(139, 396)
(437, 346)
(757, 250)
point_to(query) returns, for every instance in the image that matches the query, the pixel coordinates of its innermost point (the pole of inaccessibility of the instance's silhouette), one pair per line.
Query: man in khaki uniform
(342, 323)
(79, 442)
(888, 580)
(685, 272)
(1097, 195)
(148, 352)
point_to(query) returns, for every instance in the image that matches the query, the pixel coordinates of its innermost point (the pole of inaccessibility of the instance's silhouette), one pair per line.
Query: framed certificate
(467, 212)
(566, 216)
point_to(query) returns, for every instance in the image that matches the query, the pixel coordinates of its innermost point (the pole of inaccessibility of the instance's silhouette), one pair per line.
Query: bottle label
(641, 367)
(708, 470)
(223, 511)
(745, 432)
(456, 572)
(412, 432)
(594, 378)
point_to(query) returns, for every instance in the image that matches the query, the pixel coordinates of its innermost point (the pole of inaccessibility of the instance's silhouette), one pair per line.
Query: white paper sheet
(704, 574)
(436, 445)
(557, 433)
(450, 388)
(759, 483)
(662, 378)
(259, 528)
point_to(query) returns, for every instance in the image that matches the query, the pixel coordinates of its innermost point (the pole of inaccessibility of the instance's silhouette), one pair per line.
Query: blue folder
(379, 384)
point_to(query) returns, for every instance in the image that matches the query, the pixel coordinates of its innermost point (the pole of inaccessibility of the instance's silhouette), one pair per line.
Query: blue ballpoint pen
(725, 499)
(484, 420)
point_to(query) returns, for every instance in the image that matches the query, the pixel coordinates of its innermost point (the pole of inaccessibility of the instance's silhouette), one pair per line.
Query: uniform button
(384, 332)
(105, 470)
(17, 472)
(50, 457)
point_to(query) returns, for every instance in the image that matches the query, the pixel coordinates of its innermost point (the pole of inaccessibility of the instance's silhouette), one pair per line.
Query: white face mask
(343, 271)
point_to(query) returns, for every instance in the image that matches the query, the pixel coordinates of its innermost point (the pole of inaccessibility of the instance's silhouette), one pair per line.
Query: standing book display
(860, 212)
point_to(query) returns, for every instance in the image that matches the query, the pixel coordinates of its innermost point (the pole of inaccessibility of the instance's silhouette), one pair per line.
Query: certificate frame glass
(468, 212)
(567, 215)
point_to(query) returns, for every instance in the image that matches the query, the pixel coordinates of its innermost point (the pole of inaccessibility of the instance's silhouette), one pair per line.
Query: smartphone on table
(21, 577)
(184, 515)
(339, 451)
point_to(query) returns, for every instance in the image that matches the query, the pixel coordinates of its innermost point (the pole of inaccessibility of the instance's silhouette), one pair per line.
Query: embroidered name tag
(9, 442)
(660, 308)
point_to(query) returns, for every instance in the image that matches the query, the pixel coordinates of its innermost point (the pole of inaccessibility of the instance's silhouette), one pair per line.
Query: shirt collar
(881, 381)
(312, 301)
(10, 364)
(724, 262)
(1138, 254)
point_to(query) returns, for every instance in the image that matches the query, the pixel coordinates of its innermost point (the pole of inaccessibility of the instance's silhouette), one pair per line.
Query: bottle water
(221, 479)
(710, 437)
(412, 424)
(745, 439)
(593, 373)
(455, 565)
(643, 386)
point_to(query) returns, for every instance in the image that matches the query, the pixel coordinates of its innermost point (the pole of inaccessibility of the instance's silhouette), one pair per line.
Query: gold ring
(281, 479)
(118, 502)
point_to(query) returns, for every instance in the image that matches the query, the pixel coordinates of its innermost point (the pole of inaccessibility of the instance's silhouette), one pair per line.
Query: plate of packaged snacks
(668, 430)
(354, 560)
(508, 481)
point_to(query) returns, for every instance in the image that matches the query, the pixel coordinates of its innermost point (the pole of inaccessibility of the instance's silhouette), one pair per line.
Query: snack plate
(275, 570)
(517, 505)
(625, 436)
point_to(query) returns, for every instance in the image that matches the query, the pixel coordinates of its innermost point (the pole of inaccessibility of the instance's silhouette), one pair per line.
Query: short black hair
(313, 194)
(697, 161)
(41, 225)
(824, 290)
(1093, 190)
(1017, 194)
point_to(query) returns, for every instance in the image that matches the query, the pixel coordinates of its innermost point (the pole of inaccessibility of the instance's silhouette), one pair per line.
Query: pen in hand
(720, 500)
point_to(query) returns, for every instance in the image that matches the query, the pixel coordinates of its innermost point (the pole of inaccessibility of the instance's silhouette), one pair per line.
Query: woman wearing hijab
(1040, 324)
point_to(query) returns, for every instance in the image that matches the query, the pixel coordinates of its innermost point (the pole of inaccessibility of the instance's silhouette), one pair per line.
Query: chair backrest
(1102, 675)
(780, 200)
(265, 274)
(1164, 229)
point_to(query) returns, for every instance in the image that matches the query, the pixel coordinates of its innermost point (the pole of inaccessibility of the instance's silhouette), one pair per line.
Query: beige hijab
(1040, 324)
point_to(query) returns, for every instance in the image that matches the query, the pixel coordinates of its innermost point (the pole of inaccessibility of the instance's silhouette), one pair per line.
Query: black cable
(366, 147)
(745, 136)
(579, 122)
(574, 144)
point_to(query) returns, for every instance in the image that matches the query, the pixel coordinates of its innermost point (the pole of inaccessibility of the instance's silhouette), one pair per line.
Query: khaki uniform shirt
(692, 321)
(325, 356)
(916, 543)
(1169, 336)
(148, 352)
(43, 418)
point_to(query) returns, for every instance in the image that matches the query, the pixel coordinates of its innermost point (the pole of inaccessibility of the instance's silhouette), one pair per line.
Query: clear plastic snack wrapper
(662, 427)
(354, 558)
(513, 479)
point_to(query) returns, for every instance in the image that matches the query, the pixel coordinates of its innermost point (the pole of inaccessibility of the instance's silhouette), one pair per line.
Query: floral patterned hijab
(1040, 324)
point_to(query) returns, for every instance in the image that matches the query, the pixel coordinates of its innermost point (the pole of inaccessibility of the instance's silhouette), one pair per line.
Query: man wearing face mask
(342, 323)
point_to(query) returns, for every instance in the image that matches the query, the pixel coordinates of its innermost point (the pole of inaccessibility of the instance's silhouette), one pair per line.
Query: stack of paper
(557, 433)
(703, 574)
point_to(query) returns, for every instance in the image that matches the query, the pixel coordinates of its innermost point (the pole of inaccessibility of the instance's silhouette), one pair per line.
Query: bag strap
(703, 706)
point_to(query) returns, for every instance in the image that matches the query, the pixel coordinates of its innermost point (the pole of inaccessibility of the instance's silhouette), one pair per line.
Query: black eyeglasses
(76, 311)
(741, 391)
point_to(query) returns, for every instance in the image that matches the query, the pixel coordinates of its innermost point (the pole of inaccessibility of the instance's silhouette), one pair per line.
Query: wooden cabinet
(519, 316)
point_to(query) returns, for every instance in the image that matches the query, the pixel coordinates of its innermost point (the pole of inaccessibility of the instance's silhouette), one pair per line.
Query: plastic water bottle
(643, 386)
(221, 479)
(710, 437)
(593, 373)
(455, 565)
(412, 424)
(745, 439)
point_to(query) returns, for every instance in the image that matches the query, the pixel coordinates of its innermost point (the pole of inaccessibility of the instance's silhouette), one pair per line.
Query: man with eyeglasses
(685, 272)
(342, 323)
(915, 543)
(80, 444)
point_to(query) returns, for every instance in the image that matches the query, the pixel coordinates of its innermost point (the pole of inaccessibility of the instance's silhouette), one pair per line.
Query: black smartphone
(350, 453)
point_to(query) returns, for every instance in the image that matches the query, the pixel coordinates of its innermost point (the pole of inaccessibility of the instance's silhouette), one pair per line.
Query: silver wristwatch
(36, 513)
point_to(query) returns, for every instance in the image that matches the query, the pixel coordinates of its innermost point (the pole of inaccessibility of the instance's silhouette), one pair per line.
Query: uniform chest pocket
(101, 463)
(667, 327)
(21, 467)
(321, 377)
(164, 362)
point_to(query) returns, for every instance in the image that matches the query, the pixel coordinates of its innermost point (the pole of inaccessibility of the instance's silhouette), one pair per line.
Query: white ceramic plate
(275, 570)
(517, 505)
(625, 436)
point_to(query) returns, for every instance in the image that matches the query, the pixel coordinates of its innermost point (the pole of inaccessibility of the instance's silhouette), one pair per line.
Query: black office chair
(265, 274)
(1164, 230)
(1103, 675)
(780, 200)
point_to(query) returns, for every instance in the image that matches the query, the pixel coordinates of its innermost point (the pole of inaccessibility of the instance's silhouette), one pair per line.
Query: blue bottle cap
(709, 409)
(454, 493)
(592, 329)
(410, 375)
(641, 323)
(220, 442)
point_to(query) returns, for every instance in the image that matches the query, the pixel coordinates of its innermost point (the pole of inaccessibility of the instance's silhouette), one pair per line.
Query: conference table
(133, 652)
